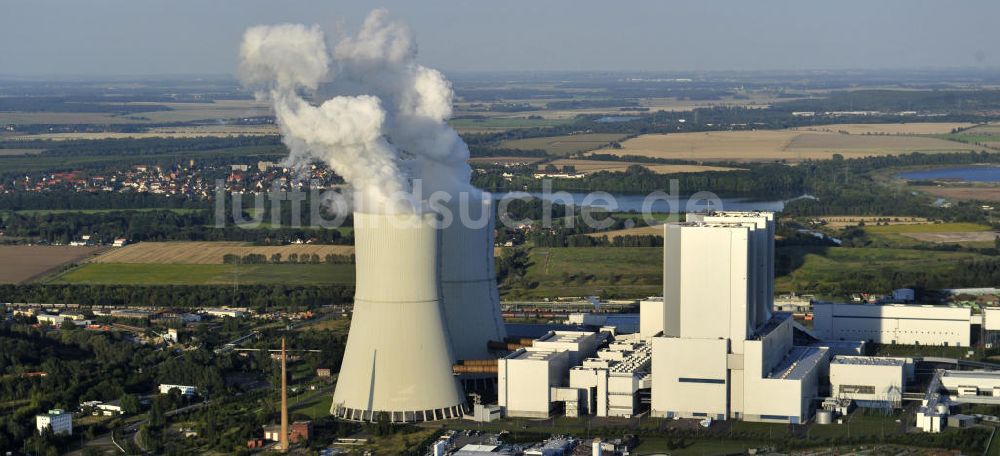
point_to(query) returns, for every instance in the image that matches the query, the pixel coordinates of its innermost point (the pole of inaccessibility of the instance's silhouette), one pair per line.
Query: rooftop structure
(609, 382)
(867, 361)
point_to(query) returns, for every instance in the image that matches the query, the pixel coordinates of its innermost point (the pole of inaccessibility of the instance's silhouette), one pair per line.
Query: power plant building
(610, 383)
(426, 319)
(723, 355)
(870, 379)
(531, 381)
(906, 324)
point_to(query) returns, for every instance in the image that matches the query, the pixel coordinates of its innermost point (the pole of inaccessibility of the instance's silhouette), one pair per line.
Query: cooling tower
(398, 358)
(468, 279)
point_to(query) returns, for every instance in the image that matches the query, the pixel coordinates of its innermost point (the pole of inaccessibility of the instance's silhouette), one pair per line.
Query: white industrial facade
(865, 378)
(652, 317)
(723, 354)
(531, 382)
(905, 324)
(525, 380)
(58, 420)
(610, 382)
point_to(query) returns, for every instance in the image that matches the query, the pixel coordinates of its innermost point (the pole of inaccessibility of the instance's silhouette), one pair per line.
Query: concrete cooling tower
(398, 357)
(468, 280)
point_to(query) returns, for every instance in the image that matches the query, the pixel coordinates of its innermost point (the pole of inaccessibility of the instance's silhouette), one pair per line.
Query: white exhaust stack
(469, 280)
(398, 358)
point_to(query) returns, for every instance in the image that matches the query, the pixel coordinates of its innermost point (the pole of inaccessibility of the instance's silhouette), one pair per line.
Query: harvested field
(215, 131)
(965, 193)
(593, 166)
(207, 274)
(24, 263)
(912, 128)
(563, 145)
(220, 109)
(947, 238)
(841, 221)
(870, 144)
(210, 252)
(772, 145)
(180, 112)
(654, 230)
(987, 129)
(66, 118)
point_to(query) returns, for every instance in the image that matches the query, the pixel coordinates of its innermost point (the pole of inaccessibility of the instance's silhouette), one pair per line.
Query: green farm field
(927, 228)
(504, 123)
(967, 234)
(633, 272)
(582, 271)
(564, 145)
(836, 271)
(207, 274)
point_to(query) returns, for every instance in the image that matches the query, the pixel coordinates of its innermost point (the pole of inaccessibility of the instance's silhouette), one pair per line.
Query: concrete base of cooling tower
(371, 416)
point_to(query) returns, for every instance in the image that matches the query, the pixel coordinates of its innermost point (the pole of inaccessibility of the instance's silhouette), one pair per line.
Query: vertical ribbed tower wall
(468, 279)
(398, 356)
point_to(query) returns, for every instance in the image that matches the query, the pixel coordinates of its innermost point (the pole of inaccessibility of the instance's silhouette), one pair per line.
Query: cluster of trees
(837, 186)
(80, 366)
(559, 239)
(512, 269)
(144, 146)
(898, 100)
(154, 225)
(71, 200)
(260, 297)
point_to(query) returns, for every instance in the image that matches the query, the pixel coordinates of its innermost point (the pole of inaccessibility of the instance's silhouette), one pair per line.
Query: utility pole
(283, 439)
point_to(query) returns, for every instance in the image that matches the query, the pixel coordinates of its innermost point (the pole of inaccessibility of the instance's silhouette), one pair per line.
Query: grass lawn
(660, 445)
(315, 406)
(205, 274)
(582, 271)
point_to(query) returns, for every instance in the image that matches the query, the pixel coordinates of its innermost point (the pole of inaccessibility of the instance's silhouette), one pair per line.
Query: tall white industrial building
(722, 354)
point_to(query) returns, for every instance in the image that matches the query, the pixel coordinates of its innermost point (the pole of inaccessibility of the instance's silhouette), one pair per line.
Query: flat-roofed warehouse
(904, 324)
(867, 378)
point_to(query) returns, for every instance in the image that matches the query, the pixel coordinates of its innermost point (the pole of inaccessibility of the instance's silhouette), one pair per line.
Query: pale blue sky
(158, 37)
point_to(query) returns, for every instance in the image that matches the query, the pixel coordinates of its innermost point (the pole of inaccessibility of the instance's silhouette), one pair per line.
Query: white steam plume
(381, 100)
(345, 132)
(381, 60)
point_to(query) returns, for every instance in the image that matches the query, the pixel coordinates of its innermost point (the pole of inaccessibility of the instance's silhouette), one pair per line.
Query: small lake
(963, 173)
(627, 203)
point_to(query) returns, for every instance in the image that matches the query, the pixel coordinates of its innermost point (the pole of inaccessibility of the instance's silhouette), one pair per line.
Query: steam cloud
(382, 122)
